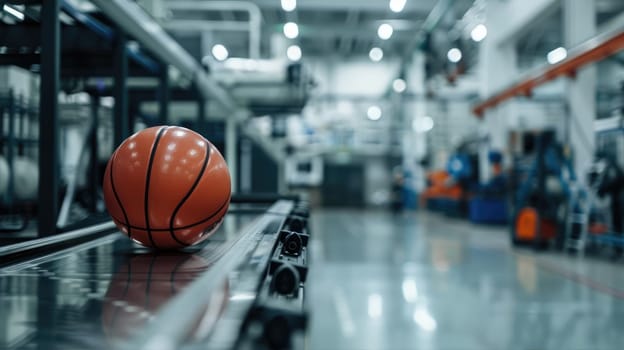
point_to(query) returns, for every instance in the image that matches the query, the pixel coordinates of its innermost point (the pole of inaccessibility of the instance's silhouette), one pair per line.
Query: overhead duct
(134, 21)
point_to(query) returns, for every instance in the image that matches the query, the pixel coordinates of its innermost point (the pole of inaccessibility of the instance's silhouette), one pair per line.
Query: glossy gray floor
(423, 281)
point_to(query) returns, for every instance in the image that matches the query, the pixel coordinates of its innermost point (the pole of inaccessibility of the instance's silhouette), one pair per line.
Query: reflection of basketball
(167, 187)
(145, 283)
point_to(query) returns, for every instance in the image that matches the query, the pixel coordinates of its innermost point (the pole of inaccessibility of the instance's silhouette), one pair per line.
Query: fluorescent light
(375, 54)
(220, 52)
(13, 12)
(291, 30)
(375, 306)
(399, 85)
(478, 33)
(293, 53)
(289, 5)
(397, 5)
(243, 296)
(410, 292)
(424, 320)
(373, 113)
(423, 124)
(557, 55)
(244, 64)
(385, 31)
(454, 55)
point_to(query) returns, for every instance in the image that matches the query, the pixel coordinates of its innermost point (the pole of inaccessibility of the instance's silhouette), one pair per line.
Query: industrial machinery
(540, 201)
(243, 288)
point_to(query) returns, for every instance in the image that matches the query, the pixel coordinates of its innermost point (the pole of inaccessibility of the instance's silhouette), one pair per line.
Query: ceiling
(343, 28)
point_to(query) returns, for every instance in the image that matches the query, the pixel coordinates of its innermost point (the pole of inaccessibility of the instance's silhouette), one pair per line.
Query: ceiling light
(424, 320)
(385, 31)
(454, 55)
(289, 5)
(399, 85)
(375, 54)
(291, 30)
(219, 52)
(557, 55)
(13, 12)
(293, 53)
(422, 124)
(373, 113)
(479, 32)
(410, 291)
(375, 306)
(397, 5)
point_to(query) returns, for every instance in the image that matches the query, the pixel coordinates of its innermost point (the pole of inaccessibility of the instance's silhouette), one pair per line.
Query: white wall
(352, 77)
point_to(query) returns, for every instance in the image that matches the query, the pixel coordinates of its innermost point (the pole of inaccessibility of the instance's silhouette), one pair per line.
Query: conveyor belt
(110, 293)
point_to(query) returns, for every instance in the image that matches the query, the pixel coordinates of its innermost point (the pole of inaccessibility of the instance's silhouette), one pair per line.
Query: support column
(163, 95)
(120, 90)
(94, 179)
(414, 145)
(579, 24)
(201, 115)
(49, 117)
(231, 149)
(497, 68)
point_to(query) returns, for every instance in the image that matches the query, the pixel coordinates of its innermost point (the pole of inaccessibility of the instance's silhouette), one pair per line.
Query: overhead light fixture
(479, 32)
(410, 291)
(291, 30)
(424, 320)
(375, 306)
(220, 52)
(385, 31)
(399, 85)
(374, 113)
(289, 5)
(557, 55)
(397, 5)
(454, 55)
(422, 124)
(375, 54)
(293, 53)
(13, 12)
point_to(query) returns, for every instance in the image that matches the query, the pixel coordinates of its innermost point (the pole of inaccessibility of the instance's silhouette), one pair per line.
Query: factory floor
(425, 281)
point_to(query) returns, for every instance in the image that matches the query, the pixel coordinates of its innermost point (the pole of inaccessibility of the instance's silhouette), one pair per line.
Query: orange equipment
(530, 227)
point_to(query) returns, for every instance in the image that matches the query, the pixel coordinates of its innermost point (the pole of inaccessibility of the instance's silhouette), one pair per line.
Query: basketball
(167, 187)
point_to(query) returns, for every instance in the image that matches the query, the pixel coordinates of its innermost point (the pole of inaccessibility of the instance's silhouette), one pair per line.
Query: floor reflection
(423, 281)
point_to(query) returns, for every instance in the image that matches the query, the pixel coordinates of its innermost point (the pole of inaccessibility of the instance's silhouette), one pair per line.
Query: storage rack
(118, 41)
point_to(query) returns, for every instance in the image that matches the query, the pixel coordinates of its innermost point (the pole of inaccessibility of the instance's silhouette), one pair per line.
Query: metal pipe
(255, 17)
(134, 21)
(431, 22)
(197, 25)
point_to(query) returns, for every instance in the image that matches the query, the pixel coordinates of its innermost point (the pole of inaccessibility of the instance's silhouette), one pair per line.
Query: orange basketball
(167, 187)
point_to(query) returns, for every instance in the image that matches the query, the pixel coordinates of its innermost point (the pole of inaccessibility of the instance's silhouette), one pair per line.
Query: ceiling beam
(424, 6)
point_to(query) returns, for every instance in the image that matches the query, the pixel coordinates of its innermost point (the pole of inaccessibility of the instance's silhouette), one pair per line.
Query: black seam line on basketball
(181, 227)
(127, 222)
(147, 184)
(188, 194)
